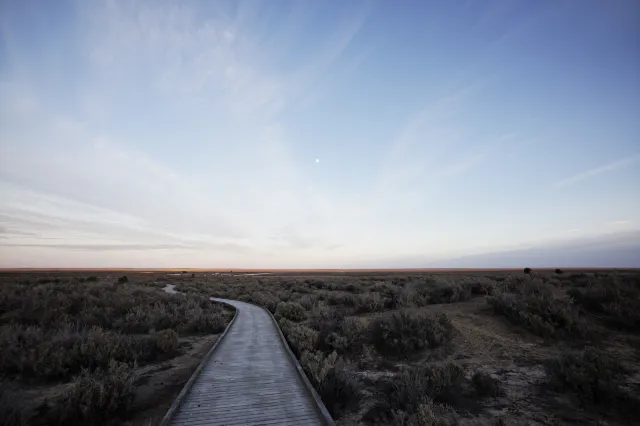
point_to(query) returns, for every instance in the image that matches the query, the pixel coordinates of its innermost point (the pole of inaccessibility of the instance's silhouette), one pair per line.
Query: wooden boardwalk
(249, 380)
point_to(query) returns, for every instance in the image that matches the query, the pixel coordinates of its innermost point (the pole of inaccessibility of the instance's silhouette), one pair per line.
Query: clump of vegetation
(450, 293)
(123, 279)
(292, 311)
(324, 319)
(427, 413)
(527, 270)
(438, 290)
(300, 337)
(615, 297)
(338, 388)
(265, 299)
(12, 411)
(355, 332)
(409, 333)
(592, 375)
(370, 302)
(38, 353)
(486, 386)
(538, 306)
(308, 301)
(97, 397)
(167, 341)
(479, 286)
(417, 392)
(342, 298)
(334, 332)
(419, 293)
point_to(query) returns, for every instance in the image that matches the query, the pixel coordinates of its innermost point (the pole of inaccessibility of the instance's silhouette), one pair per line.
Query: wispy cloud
(482, 153)
(97, 186)
(623, 222)
(101, 247)
(609, 167)
(190, 129)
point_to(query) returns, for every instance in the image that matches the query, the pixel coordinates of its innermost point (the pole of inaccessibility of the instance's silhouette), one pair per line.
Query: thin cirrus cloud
(145, 133)
(606, 168)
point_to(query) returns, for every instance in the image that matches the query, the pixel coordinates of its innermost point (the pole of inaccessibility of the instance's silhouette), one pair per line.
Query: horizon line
(240, 270)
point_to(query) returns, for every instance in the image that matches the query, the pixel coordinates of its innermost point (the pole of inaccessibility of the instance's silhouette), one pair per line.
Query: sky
(308, 134)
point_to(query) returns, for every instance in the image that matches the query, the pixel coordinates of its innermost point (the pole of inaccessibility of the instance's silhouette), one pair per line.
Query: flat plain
(411, 347)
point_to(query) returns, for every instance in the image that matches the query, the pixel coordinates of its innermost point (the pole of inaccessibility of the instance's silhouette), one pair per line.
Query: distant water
(171, 289)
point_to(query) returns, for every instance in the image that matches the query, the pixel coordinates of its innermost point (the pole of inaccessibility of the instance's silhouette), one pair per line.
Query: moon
(317, 160)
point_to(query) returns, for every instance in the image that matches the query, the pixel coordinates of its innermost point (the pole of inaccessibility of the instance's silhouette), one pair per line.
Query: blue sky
(318, 134)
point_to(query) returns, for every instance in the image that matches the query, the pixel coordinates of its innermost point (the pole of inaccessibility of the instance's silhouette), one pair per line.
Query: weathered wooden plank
(305, 421)
(248, 416)
(250, 379)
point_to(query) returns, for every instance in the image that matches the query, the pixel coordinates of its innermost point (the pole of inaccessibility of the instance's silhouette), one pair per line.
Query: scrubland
(90, 350)
(459, 348)
(393, 349)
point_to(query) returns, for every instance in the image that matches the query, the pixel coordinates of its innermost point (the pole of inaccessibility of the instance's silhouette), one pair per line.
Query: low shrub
(426, 413)
(479, 286)
(345, 335)
(333, 341)
(12, 410)
(355, 332)
(290, 310)
(405, 333)
(308, 302)
(615, 297)
(338, 388)
(450, 293)
(415, 393)
(538, 306)
(370, 302)
(419, 293)
(205, 321)
(485, 385)
(396, 297)
(35, 352)
(594, 376)
(342, 298)
(167, 341)
(99, 397)
(324, 319)
(265, 299)
(300, 337)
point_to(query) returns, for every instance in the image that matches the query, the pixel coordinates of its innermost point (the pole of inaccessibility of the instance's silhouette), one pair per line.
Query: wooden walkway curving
(250, 379)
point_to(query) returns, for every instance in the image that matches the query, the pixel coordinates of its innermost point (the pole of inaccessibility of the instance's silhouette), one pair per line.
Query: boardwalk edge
(178, 400)
(316, 398)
